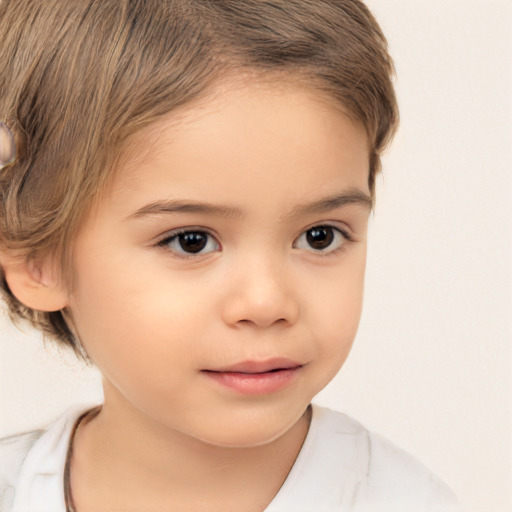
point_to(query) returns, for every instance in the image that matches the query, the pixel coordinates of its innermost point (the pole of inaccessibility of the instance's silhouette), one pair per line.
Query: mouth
(253, 367)
(257, 377)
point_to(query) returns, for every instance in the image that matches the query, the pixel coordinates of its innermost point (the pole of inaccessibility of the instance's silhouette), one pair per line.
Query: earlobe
(34, 284)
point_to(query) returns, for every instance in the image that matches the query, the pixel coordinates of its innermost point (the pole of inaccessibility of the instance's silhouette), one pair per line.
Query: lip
(257, 377)
(268, 365)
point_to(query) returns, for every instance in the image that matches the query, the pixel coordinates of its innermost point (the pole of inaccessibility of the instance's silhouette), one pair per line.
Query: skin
(153, 317)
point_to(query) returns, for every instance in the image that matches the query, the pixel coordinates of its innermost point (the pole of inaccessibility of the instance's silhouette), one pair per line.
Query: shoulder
(388, 478)
(13, 451)
(32, 465)
(395, 476)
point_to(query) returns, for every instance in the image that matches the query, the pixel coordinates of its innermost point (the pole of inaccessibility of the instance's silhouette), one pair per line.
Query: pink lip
(278, 363)
(257, 377)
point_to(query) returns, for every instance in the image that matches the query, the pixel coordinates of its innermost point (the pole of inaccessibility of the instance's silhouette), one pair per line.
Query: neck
(121, 449)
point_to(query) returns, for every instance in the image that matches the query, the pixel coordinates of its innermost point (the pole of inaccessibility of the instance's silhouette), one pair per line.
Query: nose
(261, 295)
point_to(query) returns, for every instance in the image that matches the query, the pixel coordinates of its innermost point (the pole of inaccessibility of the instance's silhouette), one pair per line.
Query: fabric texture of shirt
(342, 467)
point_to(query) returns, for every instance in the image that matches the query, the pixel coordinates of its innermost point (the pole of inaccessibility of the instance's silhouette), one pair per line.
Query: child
(186, 188)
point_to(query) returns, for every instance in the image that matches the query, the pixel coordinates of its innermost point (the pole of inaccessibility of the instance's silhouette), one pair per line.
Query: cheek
(133, 315)
(338, 310)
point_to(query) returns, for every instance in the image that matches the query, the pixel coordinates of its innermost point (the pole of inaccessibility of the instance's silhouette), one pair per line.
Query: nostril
(262, 322)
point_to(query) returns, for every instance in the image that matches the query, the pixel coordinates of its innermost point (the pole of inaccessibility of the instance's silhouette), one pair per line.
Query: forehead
(246, 142)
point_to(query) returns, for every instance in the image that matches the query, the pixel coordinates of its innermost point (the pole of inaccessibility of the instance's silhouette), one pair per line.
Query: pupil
(193, 242)
(320, 237)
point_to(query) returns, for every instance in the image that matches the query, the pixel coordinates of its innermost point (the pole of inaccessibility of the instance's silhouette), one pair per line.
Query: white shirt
(341, 467)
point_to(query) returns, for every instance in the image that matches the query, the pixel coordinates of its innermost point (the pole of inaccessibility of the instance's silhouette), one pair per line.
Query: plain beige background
(431, 367)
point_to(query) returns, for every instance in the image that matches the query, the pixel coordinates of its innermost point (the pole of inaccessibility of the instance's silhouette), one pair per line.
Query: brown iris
(320, 237)
(193, 241)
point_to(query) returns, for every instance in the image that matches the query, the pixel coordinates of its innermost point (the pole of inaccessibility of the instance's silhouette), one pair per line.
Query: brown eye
(190, 243)
(322, 239)
(193, 242)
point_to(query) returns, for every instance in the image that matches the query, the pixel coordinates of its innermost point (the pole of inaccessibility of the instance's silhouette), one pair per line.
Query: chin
(250, 430)
(242, 438)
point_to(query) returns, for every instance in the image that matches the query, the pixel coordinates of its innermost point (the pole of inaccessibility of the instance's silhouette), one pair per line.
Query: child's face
(238, 242)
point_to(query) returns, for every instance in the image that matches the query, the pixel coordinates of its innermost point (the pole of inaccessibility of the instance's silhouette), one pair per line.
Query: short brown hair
(79, 77)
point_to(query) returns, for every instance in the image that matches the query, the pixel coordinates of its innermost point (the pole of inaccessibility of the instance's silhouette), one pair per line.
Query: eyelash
(337, 231)
(165, 242)
(173, 236)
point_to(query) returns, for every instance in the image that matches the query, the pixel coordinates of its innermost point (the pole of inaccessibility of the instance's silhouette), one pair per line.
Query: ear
(34, 284)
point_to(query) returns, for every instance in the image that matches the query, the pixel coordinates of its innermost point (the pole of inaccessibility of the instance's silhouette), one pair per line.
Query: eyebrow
(185, 206)
(351, 197)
